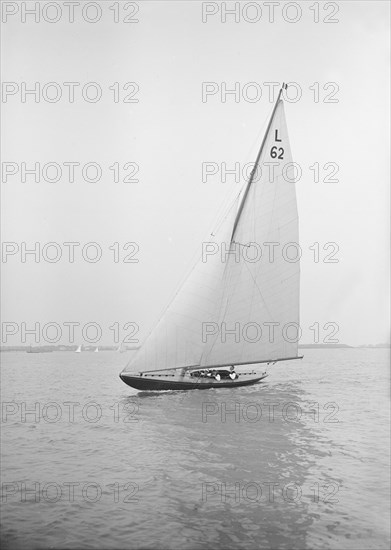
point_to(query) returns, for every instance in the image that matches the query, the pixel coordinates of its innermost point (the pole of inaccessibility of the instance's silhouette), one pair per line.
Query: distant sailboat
(78, 350)
(38, 350)
(96, 350)
(235, 292)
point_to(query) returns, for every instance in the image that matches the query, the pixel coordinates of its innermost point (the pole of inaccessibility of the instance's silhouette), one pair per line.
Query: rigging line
(225, 211)
(257, 139)
(233, 192)
(230, 197)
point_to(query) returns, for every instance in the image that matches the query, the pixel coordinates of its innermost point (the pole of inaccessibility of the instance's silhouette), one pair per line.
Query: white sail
(78, 350)
(177, 339)
(259, 317)
(231, 292)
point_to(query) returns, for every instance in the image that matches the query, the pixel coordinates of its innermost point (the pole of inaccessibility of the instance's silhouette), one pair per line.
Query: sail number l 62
(274, 154)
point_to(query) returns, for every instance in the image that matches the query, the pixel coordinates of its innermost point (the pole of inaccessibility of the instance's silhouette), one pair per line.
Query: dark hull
(144, 383)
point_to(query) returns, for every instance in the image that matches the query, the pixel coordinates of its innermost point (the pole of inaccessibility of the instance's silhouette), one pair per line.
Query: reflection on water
(300, 461)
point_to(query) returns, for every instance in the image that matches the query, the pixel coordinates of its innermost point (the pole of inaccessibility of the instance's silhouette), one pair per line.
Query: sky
(162, 57)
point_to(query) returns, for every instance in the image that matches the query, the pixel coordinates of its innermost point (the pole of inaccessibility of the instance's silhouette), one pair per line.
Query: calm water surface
(301, 461)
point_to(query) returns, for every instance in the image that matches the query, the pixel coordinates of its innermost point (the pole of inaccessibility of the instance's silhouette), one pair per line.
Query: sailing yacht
(78, 350)
(191, 347)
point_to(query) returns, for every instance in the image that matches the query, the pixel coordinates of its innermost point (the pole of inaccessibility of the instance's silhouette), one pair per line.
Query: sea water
(300, 461)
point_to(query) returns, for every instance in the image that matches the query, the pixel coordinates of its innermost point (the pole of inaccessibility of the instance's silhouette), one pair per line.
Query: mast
(253, 171)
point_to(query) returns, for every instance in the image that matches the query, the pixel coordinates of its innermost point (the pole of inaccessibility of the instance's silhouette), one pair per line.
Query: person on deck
(232, 373)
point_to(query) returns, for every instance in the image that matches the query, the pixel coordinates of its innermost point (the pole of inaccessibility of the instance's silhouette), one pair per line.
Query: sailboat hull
(177, 382)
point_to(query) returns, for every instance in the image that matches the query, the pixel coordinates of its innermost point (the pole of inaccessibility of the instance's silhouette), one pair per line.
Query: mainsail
(241, 304)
